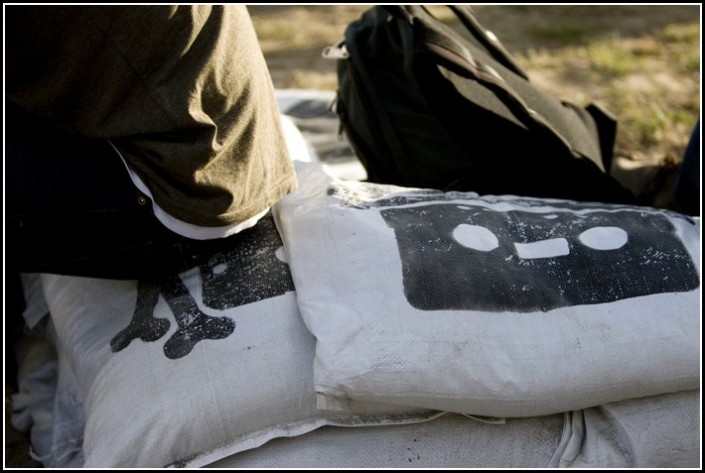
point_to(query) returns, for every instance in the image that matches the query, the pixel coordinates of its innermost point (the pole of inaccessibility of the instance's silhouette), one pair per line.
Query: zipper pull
(339, 51)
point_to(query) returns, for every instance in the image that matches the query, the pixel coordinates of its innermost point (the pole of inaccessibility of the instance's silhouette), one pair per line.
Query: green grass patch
(607, 56)
(681, 33)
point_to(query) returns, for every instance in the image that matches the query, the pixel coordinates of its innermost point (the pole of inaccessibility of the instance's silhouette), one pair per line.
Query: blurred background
(642, 62)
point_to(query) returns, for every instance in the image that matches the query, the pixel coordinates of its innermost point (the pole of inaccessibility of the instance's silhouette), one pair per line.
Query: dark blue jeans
(71, 208)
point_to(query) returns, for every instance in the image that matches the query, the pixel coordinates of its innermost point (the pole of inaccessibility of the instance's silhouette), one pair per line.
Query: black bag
(425, 106)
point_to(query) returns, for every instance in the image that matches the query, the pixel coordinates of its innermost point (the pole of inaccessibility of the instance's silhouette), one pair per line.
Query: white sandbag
(49, 396)
(654, 432)
(47, 405)
(32, 404)
(35, 306)
(452, 441)
(188, 369)
(68, 420)
(498, 306)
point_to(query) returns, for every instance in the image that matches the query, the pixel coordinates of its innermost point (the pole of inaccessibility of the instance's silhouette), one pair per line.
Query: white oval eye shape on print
(604, 238)
(475, 237)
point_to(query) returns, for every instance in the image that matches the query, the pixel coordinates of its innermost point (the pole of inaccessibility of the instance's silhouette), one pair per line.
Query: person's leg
(70, 205)
(71, 208)
(686, 193)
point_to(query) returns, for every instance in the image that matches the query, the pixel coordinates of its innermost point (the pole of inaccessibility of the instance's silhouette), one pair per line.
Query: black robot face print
(193, 325)
(467, 257)
(251, 271)
(369, 195)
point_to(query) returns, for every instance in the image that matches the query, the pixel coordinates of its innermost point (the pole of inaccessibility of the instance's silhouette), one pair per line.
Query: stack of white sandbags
(377, 326)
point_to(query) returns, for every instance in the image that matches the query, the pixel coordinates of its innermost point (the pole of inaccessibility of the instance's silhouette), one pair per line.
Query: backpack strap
(467, 18)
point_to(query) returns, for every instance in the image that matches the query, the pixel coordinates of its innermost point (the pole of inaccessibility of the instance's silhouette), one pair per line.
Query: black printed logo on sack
(465, 257)
(249, 272)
